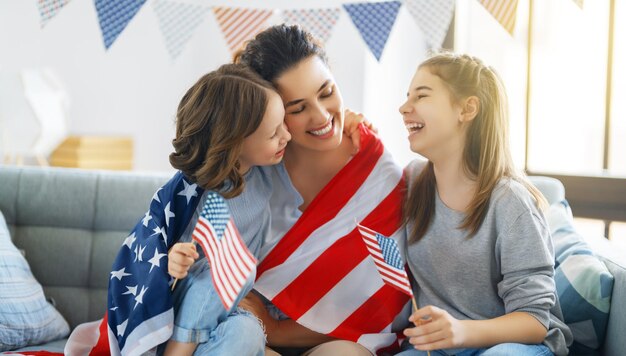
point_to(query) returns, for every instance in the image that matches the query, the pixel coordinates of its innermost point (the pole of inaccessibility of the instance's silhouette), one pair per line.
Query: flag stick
(176, 279)
(419, 322)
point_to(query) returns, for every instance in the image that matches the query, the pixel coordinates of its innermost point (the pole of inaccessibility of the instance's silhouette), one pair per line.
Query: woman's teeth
(414, 126)
(323, 130)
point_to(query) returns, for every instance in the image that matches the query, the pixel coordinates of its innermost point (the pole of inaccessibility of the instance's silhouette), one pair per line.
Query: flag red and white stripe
(320, 273)
(230, 260)
(239, 24)
(393, 275)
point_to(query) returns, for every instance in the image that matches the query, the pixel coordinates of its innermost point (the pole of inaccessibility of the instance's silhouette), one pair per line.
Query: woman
(315, 267)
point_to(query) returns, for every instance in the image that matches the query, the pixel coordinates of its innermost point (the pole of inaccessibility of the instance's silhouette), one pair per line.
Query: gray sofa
(79, 219)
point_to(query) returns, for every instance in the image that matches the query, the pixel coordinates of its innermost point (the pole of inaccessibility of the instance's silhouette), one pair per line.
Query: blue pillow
(583, 282)
(26, 318)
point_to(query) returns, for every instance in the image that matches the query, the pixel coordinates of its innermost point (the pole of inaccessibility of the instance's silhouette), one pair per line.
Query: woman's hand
(351, 123)
(180, 258)
(436, 329)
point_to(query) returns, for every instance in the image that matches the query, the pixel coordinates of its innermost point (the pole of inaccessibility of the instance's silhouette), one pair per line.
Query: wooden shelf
(94, 152)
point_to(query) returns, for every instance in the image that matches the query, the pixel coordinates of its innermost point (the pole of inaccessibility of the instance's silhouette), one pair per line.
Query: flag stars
(131, 290)
(122, 328)
(156, 195)
(156, 259)
(168, 214)
(139, 253)
(119, 274)
(160, 230)
(139, 298)
(130, 240)
(146, 219)
(189, 191)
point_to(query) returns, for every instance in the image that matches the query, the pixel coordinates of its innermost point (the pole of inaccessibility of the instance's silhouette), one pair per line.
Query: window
(564, 68)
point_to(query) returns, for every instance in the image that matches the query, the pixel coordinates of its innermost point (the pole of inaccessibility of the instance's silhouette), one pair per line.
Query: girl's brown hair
(213, 118)
(486, 155)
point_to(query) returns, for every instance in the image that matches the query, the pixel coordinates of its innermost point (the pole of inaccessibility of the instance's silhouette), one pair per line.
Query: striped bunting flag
(374, 21)
(387, 258)
(114, 16)
(504, 11)
(230, 260)
(433, 18)
(49, 8)
(239, 25)
(177, 22)
(319, 22)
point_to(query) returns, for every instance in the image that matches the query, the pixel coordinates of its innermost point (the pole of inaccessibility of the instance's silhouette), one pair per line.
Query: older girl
(478, 245)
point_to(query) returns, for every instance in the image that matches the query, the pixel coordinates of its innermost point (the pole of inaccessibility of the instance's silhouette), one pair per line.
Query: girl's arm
(282, 333)
(441, 331)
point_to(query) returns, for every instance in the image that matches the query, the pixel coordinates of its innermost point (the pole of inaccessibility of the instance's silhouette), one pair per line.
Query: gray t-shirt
(507, 266)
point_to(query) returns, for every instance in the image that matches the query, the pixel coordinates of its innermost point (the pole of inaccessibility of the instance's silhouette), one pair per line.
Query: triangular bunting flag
(320, 22)
(504, 11)
(579, 3)
(374, 21)
(114, 16)
(433, 18)
(178, 21)
(49, 8)
(239, 25)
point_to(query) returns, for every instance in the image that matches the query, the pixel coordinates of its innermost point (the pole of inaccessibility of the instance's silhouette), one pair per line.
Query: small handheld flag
(386, 255)
(230, 260)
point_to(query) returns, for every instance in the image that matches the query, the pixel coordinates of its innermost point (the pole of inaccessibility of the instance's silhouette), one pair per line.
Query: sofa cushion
(26, 318)
(583, 282)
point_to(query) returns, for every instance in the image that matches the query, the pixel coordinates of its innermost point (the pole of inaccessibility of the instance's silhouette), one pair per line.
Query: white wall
(134, 88)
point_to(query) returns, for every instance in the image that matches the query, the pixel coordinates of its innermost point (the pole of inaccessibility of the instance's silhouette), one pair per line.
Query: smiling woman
(314, 265)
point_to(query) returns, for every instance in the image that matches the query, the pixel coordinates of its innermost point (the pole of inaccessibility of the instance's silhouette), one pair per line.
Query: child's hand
(351, 123)
(180, 258)
(436, 329)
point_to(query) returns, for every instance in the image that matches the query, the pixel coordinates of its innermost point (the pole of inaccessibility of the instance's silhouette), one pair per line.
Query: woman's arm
(441, 331)
(282, 333)
(289, 333)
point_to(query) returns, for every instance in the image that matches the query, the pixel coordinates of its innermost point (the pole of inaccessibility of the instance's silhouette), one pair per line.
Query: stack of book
(94, 152)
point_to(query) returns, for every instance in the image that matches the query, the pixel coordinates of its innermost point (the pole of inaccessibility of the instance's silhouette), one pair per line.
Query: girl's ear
(471, 105)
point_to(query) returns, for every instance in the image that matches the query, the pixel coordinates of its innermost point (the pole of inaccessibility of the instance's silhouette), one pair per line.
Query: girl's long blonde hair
(486, 155)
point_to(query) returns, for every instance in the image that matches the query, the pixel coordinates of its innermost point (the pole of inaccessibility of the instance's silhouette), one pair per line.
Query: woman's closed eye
(328, 92)
(297, 110)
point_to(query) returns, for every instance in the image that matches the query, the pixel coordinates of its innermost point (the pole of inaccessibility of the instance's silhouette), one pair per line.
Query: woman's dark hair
(214, 116)
(279, 48)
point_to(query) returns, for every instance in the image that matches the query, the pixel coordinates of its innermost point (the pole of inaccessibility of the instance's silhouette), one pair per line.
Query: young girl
(228, 123)
(478, 245)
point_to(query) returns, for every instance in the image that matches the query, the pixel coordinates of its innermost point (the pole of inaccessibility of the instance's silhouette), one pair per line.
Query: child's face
(431, 117)
(313, 105)
(266, 145)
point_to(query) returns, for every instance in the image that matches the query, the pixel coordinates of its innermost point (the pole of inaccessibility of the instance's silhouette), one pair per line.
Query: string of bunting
(178, 21)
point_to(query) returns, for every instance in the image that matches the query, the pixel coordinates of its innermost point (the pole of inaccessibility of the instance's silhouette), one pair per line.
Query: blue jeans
(507, 349)
(200, 317)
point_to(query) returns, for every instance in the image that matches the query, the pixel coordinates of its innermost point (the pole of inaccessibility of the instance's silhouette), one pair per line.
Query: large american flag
(320, 273)
(230, 260)
(140, 314)
(387, 258)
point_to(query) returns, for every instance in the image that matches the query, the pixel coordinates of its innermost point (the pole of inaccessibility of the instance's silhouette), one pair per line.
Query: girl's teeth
(414, 126)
